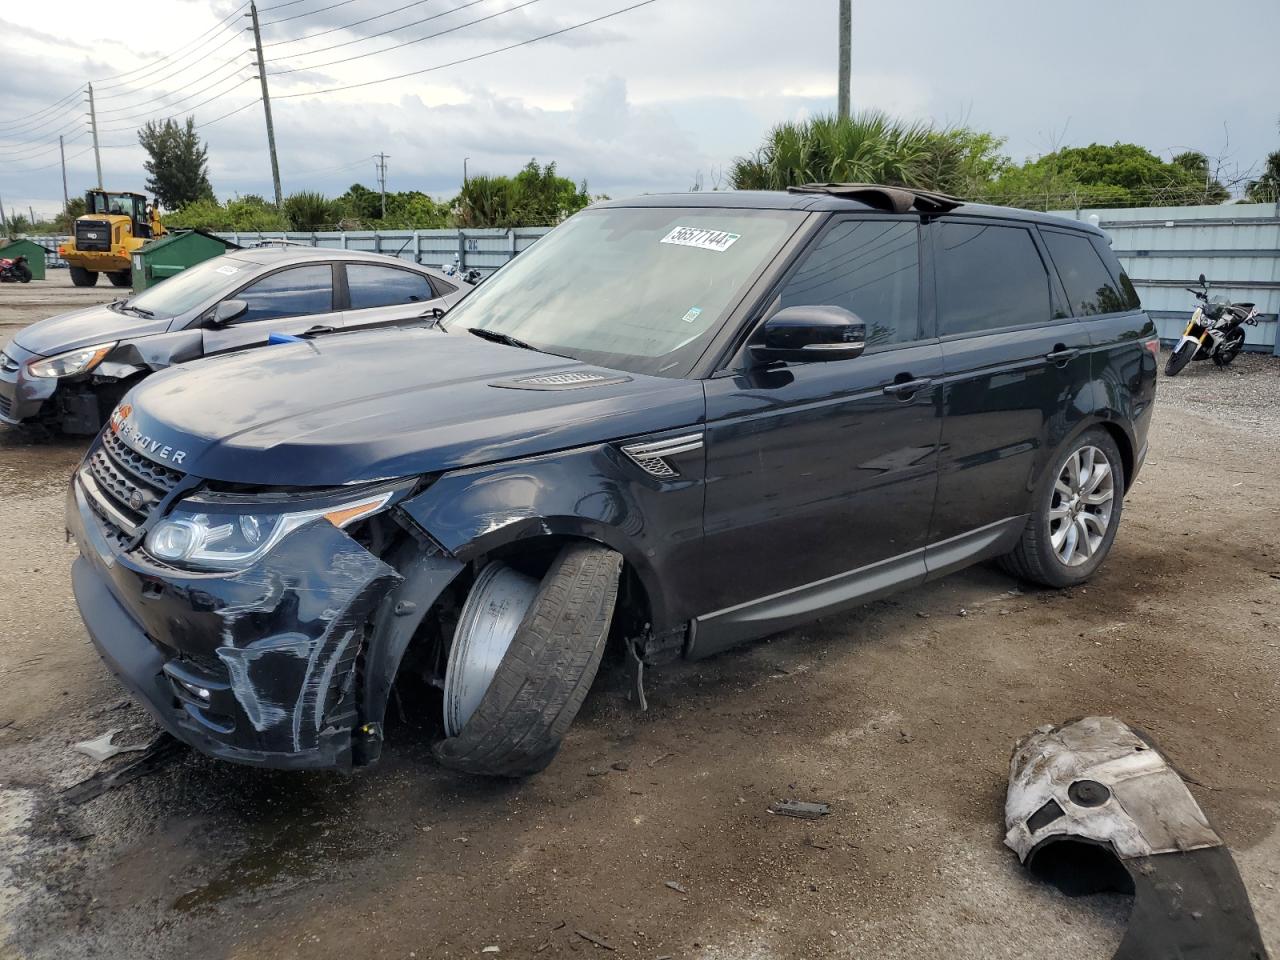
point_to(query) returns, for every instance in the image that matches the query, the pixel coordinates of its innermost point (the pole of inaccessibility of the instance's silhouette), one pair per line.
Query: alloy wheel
(1080, 511)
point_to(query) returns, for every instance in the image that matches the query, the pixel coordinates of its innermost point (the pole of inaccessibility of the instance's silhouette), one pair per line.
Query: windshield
(191, 287)
(641, 289)
(121, 203)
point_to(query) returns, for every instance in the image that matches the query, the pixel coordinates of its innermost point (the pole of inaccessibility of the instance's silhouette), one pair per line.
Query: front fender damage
(1096, 784)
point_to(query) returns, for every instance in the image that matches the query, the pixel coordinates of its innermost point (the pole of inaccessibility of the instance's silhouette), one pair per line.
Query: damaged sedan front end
(237, 619)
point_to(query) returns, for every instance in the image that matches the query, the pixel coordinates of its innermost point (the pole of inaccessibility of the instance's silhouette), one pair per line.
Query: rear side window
(1128, 295)
(1090, 287)
(375, 286)
(989, 277)
(872, 269)
(289, 293)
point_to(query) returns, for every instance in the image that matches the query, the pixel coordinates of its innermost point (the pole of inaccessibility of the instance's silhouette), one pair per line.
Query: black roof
(831, 198)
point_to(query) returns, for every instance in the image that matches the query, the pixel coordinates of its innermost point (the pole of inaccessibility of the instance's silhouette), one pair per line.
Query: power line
(127, 123)
(181, 70)
(407, 43)
(474, 57)
(148, 67)
(47, 147)
(222, 66)
(374, 36)
(309, 13)
(348, 26)
(20, 121)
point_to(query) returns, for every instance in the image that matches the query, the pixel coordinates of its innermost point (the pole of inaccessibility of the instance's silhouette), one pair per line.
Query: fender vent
(651, 455)
(568, 380)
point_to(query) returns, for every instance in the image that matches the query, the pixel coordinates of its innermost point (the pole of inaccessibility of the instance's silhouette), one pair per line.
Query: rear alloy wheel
(81, 277)
(1077, 513)
(523, 657)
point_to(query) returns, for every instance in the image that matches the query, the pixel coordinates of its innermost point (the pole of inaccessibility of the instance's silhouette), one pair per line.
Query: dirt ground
(650, 832)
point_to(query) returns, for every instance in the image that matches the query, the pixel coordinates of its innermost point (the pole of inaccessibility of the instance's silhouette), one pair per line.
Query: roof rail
(891, 199)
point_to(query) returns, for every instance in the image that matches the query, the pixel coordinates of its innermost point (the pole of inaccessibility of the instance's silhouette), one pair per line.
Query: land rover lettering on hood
(674, 424)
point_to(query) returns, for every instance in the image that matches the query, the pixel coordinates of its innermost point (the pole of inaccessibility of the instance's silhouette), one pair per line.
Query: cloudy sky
(648, 100)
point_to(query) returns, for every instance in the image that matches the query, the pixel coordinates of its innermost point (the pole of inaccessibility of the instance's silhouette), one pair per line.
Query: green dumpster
(34, 253)
(173, 253)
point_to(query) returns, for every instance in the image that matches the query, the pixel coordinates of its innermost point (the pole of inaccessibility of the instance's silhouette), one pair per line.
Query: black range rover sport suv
(676, 423)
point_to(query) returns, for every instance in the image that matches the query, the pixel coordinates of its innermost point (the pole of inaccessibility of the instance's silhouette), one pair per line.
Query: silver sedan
(66, 373)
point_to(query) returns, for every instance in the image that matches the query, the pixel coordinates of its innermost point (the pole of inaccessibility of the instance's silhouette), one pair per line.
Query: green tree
(62, 223)
(249, 214)
(178, 163)
(870, 147)
(1120, 175)
(1266, 189)
(309, 210)
(536, 196)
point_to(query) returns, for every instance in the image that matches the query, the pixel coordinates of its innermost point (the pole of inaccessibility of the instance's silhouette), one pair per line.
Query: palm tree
(869, 147)
(1266, 189)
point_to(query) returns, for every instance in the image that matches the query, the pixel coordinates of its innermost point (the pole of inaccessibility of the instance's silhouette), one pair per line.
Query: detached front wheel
(524, 655)
(1076, 515)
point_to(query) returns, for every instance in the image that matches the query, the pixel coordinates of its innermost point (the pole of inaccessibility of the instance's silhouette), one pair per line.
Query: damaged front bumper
(256, 666)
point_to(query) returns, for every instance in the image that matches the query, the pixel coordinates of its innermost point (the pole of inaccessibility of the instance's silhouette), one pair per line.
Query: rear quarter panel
(1123, 376)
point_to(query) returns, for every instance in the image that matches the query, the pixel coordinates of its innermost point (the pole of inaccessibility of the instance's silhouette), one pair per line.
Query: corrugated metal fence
(1164, 250)
(484, 250)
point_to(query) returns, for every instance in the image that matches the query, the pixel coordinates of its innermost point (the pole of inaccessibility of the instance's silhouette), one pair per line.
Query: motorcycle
(1216, 330)
(15, 270)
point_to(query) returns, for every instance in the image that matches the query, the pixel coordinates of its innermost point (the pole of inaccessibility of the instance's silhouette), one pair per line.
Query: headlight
(71, 363)
(216, 536)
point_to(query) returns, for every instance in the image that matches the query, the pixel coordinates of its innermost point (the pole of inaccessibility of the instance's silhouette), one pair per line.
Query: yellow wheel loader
(103, 240)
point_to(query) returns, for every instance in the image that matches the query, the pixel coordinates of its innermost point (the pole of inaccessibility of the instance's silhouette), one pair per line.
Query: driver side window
(872, 269)
(295, 292)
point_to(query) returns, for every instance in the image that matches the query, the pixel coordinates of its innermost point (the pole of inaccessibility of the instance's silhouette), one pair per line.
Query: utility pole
(464, 170)
(3, 218)
(62, 153)
(93, 122)
(382, 181)
(266, 103)
(32, 215)
(846, 57)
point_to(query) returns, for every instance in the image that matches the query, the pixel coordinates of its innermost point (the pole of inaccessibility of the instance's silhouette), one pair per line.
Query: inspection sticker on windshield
(227, 271)
(693, 314)
(716, 240)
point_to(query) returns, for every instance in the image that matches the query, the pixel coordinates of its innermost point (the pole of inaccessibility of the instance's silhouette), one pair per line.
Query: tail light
(1153, 345)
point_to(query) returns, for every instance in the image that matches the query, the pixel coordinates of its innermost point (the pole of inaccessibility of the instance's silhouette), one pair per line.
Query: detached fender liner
(545, 674)
(1095, 784)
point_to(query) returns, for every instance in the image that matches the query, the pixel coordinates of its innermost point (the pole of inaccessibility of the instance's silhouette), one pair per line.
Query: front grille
(130, 486)
(93, 235)
(4, 405)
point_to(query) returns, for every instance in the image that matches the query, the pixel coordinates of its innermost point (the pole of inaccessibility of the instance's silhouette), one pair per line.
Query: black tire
(81, 277)
(24, 274)
(546, 672)
(121, 278)
(1229, 351)
(1034, 558)
(1180, 358)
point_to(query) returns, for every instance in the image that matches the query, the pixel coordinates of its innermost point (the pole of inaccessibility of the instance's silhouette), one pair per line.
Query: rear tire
(546, 672)
(121, 278)
(24, 274)
(81, 277)
(1049, 553)
(1229, 351)
(1180, 358)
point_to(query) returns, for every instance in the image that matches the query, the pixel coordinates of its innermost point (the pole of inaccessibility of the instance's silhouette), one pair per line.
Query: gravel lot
(900, 714)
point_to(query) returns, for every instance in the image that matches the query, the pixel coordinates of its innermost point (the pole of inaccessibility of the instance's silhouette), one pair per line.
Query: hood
(85, 328)
(388, 403)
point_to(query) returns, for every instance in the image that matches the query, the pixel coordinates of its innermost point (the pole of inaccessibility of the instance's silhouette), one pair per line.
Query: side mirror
(810, 333)
(227, 312)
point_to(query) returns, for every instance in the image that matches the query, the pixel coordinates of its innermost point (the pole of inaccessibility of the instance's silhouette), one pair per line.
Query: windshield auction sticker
(716, 240)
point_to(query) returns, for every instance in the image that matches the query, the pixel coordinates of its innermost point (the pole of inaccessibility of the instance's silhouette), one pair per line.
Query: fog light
(200, 692)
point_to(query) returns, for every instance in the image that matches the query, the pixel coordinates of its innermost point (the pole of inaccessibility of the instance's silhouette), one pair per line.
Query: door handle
(1062, 354)
(907, 387)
